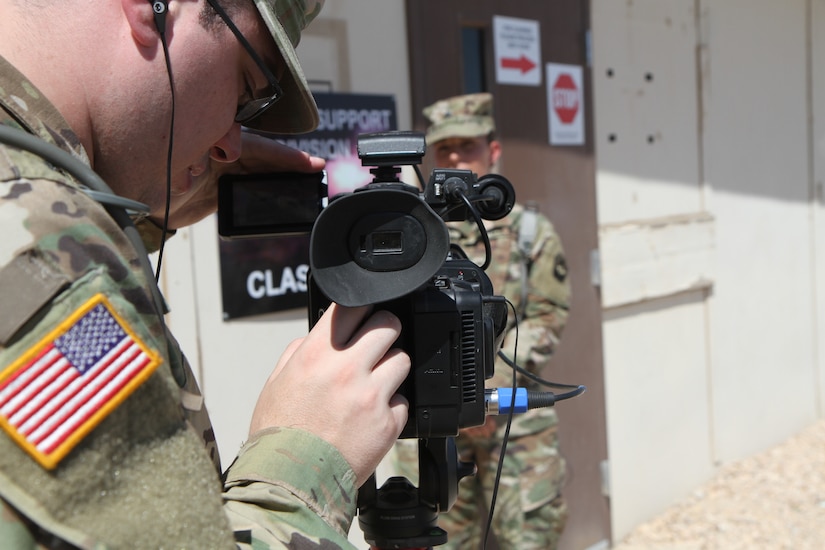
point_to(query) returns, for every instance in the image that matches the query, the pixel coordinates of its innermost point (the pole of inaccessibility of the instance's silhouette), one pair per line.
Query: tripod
(401, 516)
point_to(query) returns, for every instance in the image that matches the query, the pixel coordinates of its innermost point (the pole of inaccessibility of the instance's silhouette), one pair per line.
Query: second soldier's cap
(468, 115)
(296, 112)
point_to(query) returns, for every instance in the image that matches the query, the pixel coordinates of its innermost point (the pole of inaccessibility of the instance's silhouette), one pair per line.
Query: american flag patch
(66, 384)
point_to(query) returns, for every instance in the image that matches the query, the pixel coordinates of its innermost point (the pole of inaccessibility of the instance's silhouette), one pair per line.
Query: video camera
(387, 244)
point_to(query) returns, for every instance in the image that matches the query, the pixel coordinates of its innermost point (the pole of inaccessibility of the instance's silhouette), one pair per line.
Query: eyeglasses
(254, 107)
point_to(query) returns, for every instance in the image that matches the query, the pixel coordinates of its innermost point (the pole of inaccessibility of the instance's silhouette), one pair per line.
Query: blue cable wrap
(505, 397)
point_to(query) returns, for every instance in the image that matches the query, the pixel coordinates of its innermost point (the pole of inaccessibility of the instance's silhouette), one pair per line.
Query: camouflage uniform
(530, 512)
(139, 468)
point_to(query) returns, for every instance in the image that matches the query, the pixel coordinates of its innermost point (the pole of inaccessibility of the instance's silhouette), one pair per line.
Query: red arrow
(522, 63)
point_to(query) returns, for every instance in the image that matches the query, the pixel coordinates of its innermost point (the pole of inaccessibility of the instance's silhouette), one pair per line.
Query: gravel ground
(773, 500)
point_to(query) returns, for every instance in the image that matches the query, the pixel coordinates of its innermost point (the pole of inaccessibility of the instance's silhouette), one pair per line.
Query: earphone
(160, 8)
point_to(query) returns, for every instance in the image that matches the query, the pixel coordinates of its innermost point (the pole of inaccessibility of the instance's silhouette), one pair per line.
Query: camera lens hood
(376, 244)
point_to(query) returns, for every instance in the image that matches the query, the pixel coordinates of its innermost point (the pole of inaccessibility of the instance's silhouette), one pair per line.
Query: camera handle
(402, 516)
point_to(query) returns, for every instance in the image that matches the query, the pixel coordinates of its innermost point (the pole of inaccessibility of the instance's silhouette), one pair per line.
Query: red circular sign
(565, 98)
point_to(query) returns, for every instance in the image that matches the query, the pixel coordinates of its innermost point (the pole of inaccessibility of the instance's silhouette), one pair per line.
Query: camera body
(387, 244)
(451, 331)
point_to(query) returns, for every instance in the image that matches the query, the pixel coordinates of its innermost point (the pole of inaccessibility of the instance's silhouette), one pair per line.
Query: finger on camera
(262, 154)
(391, 370)
(376, 337)
(341, 323)
(400, 408)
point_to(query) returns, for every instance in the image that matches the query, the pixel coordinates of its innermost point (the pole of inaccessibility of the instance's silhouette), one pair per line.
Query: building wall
(816, 24)
(709, 234)
(762, 314)
(657, 242)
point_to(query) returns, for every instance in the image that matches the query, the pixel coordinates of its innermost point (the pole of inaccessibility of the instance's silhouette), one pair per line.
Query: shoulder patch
(63, 386)
(560, 268)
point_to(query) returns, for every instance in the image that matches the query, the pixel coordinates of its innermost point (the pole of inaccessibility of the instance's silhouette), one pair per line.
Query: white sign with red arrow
(565, 104)
(518, 51)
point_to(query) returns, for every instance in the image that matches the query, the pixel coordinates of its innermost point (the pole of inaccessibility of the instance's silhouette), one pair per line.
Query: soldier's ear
(140, 16)
(495, 152)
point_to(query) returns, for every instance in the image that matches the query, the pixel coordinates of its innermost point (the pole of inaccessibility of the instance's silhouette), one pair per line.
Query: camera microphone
(498, 197)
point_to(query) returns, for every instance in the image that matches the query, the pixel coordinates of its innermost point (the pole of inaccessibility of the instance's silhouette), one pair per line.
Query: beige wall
(817, 153)
(709, 234)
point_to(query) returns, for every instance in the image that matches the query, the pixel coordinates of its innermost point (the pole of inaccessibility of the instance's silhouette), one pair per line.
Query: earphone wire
(165, 229)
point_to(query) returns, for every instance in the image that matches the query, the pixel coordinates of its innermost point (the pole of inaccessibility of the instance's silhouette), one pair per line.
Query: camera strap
(118, 207)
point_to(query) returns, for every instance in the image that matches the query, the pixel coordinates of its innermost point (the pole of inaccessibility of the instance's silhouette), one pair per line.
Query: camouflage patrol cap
(460, 116)
(296, 111)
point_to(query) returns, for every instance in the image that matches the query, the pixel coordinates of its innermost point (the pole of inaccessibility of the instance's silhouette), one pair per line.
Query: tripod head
(402, 516)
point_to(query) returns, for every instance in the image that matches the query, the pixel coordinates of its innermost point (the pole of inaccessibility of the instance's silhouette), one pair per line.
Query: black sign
(265, 275)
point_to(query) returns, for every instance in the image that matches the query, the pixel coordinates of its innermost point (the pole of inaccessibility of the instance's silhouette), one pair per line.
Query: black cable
(420, 176)
(578, 389)
(165, 228)
(504, 440)
(575, 390)
(485, 238)
(477, 218)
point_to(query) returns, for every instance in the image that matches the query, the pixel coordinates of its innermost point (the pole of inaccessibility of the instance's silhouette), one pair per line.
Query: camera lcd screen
(257, 205)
